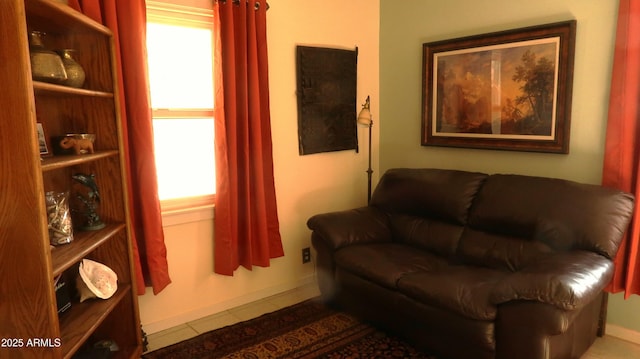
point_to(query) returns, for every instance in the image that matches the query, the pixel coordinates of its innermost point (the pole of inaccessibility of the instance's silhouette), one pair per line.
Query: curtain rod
(237, 2)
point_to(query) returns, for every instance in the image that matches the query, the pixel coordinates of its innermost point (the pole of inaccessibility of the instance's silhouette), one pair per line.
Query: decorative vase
(75, 72)
(46, 65)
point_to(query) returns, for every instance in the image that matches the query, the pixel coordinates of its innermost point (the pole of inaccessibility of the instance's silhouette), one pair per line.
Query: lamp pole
(365, 118)
(369, 170)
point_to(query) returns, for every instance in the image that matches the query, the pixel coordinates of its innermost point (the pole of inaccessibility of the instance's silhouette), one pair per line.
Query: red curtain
(246, 218)
(622, 149)
(127, 21)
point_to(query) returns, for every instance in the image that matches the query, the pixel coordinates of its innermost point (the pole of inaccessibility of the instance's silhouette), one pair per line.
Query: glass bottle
(46, 65)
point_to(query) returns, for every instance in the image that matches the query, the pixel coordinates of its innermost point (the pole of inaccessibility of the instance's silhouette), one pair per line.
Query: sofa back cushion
(435, 236)
(498, 251)
(515, 219)
(444, 195)
(427, 208)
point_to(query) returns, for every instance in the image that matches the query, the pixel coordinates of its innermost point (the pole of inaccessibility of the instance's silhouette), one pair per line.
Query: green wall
(406, 25)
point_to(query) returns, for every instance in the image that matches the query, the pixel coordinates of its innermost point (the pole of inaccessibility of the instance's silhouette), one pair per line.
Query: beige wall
(406, 25)
(305, 185)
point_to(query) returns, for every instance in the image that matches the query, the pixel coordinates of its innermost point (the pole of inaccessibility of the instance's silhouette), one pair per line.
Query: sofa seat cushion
(463, 289)
(386, 263)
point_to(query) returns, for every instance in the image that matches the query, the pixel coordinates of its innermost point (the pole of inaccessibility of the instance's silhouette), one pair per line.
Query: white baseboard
(167, 323)
(623, 333)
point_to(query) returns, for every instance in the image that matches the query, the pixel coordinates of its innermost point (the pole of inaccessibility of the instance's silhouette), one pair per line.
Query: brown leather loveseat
(470, 265)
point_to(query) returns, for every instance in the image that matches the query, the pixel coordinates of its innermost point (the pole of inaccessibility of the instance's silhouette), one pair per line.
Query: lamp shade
(364, 117)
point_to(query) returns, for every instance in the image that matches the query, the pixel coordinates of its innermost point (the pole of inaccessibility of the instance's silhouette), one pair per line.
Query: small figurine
(79, 145)
(90, 200)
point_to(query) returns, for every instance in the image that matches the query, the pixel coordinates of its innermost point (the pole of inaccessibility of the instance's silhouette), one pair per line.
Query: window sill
(181, 212)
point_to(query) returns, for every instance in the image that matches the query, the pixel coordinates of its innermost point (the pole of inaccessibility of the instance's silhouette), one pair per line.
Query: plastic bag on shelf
(59, 218)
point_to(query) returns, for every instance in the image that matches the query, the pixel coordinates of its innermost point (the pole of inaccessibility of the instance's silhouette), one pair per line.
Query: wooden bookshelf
(29, 264)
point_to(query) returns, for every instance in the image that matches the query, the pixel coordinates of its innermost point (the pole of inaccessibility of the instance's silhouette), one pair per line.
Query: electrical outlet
(306, 255)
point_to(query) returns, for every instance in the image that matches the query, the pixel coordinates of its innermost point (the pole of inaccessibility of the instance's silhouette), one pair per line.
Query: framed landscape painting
(508, 90)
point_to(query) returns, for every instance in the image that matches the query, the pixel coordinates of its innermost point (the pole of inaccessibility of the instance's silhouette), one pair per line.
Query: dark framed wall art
(508, 90)
(326, 92)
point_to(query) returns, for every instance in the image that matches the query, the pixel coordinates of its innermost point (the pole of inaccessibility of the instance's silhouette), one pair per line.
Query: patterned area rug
(305, 330)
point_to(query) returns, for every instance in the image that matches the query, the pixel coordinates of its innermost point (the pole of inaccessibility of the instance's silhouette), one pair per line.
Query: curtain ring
(257, 5)
(237, 2)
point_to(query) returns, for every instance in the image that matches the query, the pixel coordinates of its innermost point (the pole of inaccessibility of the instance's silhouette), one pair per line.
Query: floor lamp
(365, 119)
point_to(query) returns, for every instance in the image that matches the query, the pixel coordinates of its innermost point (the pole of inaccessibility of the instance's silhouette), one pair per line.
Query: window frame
(192, 13)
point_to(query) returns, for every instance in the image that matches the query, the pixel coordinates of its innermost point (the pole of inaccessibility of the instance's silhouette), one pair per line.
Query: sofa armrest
(355, 226)
(567, 280)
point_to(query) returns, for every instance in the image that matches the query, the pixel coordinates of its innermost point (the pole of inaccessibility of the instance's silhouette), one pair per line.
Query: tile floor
(607, 347)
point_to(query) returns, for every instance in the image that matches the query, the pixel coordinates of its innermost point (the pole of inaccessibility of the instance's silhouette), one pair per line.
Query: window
(180, 60)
